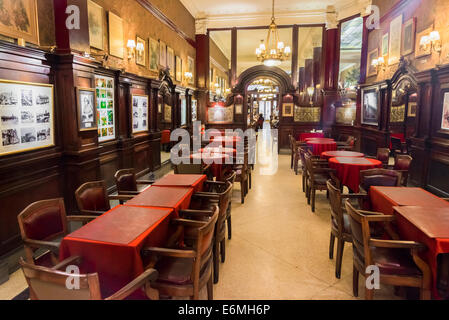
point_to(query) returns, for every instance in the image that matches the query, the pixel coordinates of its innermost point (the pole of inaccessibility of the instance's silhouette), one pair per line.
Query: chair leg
(331, 246)
(355, 281)
(303, 182)
(229, 227)
(223, 250)
(369, 293)
(210, 289)
(313, 199)
(242, 191)
(340, 249)
(250, 179)
(216, 262)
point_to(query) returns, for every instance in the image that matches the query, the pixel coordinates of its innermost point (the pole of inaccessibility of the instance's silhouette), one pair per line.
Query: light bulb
(434, 36)
(131, 44)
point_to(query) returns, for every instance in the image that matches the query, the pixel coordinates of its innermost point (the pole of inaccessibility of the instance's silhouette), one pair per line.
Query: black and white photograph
(10, 137)
(43, 116)
(42, 99)
(370, 107)
(140, 113)
(26, 117)
(43, 134)
(27, 97)
(8, 118)
(8, 98)
(28, 135)
(86, 109)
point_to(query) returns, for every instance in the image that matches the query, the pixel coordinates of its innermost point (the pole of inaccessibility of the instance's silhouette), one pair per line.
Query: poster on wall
(445, 116)
(26, 116)
(141, 55)
(162, 54)
(104, 87)
(287, 110)
(140, 113)
(220, 114)
(116, 36)
(191, 68)
(385, 40)
(412, 109)
(178, 69)
(95, 13)
(18, 19)
(171, 60)
(154, 55)
(372, 69)
(87, 113)
(238, 108)
(408, 37)
(167, 113)
(394, 53)
(370, 107)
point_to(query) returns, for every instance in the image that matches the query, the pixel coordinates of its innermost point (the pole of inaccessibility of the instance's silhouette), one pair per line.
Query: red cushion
(43, 223)
(175, 270)
(93, 199)
(395, 261)
(126, 182)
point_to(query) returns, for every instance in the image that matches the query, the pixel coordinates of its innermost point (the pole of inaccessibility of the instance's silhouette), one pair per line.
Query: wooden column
(202, 74)
(233, 57)
(295, 71)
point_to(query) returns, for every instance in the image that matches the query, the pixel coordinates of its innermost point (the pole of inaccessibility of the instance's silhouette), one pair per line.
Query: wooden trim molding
(165, 20)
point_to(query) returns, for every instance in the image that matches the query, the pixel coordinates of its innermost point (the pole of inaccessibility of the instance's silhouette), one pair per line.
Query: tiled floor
(279, 248)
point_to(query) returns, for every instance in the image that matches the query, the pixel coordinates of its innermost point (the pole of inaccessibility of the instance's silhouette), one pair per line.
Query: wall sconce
(433, 40)
(310, 92)
(379, 62)
(188, 76)
(131, 49)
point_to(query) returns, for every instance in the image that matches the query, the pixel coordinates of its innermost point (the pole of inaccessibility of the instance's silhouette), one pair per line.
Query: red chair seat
(174, 270)
(395, 261)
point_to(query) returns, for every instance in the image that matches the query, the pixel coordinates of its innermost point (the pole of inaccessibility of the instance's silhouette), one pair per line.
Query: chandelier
(273, 52)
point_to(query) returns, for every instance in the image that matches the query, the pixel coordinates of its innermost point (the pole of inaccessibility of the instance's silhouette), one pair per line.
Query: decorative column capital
(331, 18)
(201, 25)
(365, 7)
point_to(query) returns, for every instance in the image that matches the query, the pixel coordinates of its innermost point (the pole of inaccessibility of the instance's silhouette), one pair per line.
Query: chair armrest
(217, 183)
(81, 218)
(207, 195)
(396, 244)
(166, 252)
(145, 181)
(120, 197)
(354, 195)
(198, 213)
(92, 212)
(128, 193)
(376, 217)
(188, 223)
(147, 276)
(206, 167)
(49, 245)
(74, 260)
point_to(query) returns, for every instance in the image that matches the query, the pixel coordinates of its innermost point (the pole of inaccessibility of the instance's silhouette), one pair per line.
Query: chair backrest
(186, 168)
(92, 196)
(225, 200)
(230, 177)
(125, 180)
(350, 141)
(360, 234)
(43, 220)
(50, 284)
(309, 164)
(396, 143)
(336, 206)
(402, 162)
(379, 177)
(383, 155)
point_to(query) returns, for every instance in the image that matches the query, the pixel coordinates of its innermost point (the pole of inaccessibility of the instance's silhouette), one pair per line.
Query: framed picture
(346, 115)
(95, 13)
(194, 110)
(19, 20)
(154, 55)
(178, 69)
(220, 114)
(445, 115)
(370, 106)
(385, 40)
(116, 36)
(408, 37)
(183, 110)
(419, 51)
(239, 109)
(412, 109)
(307, 114)
(372, 70)
(171, 61)
(191, 68)
(87, 115)
(104, 91)
(26, 116)
(397, 114)
(167, 113)
(163, 54)
(141, 55)
(140, 113)
(287, 110)
(394, 51)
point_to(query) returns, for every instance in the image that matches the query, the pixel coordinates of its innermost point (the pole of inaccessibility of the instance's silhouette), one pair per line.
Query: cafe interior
(315, 150)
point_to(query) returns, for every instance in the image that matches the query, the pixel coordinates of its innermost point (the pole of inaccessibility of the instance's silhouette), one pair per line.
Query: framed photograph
(372, 70)
(370, 106)
(26, 116)
(178, 69)
(408, 37)
(116, 36)
(445, 115)
(19, 19)
(95, 14)
(87, 115)
(154, 55)
(287, 110)
(307, 114)
(139, 113)
(412, 109)
(141, 55)
(104, 91)
(194, 110)
(171, 61)
(397, 114)
(191, 68)
(346, 115)
(420, 52)
(239, 109)
(220, 114)
(394, 51)
(385, 40)
(163, 54)
(167, 113)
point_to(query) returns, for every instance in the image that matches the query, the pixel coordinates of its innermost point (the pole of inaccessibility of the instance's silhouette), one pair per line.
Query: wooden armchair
(230, 177)
(242, 176)
(42, 226)
(50, 283)
(383, 155)
(402, 163)
(191, 168)
(93, 199)
(127, 183)
(379, 177)
(184, 272)
(340, 227)
(398, 261)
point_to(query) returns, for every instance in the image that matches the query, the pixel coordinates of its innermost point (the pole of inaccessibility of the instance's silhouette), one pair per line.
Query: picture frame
(105, 103)
(372, 70)
(171, 61)
(96, 27)
(141, 56)
(445, 113)
(178, 70)
(419, 52)
(28, 29)
(191, 69)
(162, 54)
(87, 113)
(370, 106)
(220, 114)
(140, 112)
(307, 114)
(167, 113)
(239, 109)
(116, 36)
(27, 116)
(288, 110)
(385, 42)
(397, 114)
(412, 109)
(153, 55)
(408, 37)
(395, 42)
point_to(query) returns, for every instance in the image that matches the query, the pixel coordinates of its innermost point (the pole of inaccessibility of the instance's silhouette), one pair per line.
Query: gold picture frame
(140, 113)
(178, 69)
(116, 36)
(385, 42)
(372, 70)
(191, 69)
(171, 61)
(96, 26)
(153, 62)
(419, 52)
(141, 56)
(408, 37)
(85, 123)
(167, 113)
(395, 42)
(25, 12)
(162, 54)
(288, 110)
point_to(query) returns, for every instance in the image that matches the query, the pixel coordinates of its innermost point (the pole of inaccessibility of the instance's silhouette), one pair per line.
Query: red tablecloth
(176, 198)
(321, 145)
(346, 154)
(348, 170)
(216, 160)
(430, 227)
(305, 135)
(111, 244)
(165, 136)
(195, 181)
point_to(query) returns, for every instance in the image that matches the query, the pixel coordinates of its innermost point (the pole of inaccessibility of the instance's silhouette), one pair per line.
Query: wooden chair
(127, 183)
(50, 283)
(383, 155)
(317, 179)
(402, 163)
(340, 227)
(242, 177)
(42, 226)
(398, 261)
(230, 177)
(93, 199)
(191, 168)
(347, 145)
(184, 272)
(398, 147)
(379, 177)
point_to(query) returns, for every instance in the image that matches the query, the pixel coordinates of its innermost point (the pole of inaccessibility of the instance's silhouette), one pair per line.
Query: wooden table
(110, 245)
(195, 181)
